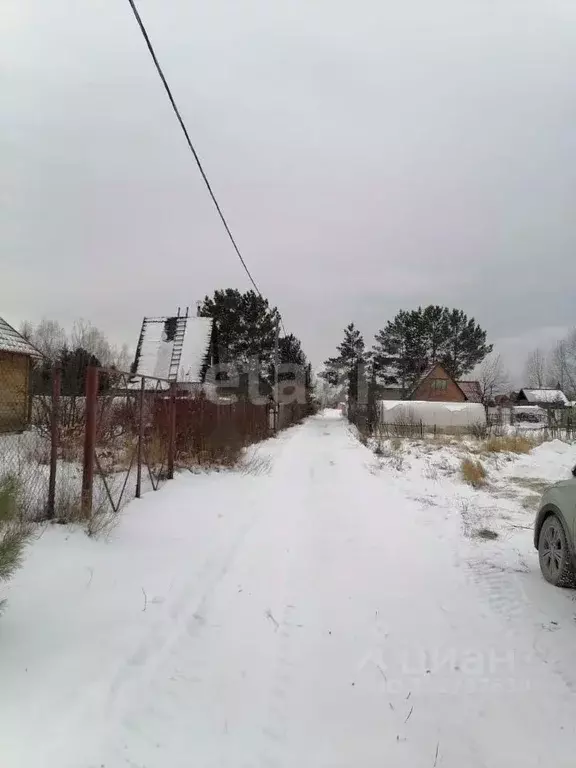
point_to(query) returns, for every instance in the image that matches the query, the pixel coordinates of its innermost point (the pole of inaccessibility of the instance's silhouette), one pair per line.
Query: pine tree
(465, 346)
(350, 364)
(246, 327)
(14, 530)
(416, 339)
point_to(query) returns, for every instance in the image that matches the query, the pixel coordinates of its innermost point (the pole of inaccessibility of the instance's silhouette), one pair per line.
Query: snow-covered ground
(329, 608)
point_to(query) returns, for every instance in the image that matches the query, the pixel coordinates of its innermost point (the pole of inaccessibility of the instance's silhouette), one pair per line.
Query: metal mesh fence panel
(25, 426)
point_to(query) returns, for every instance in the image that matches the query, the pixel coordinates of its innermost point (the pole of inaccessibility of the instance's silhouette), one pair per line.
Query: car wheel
(555, 557)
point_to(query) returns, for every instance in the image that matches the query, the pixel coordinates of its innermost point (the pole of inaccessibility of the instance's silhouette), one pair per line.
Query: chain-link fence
(25, 434)
(77, 456)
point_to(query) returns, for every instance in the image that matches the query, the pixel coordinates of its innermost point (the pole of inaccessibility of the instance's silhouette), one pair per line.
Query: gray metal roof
(12, 341)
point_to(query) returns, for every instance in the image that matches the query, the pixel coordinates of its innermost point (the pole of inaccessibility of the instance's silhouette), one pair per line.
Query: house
(389, 393)
(177, 348)
(505, 401)
(544, 398)
(436, 385)
(16, 357)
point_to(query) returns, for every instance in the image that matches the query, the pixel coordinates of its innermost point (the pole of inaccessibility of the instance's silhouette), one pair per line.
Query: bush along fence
(76, 456)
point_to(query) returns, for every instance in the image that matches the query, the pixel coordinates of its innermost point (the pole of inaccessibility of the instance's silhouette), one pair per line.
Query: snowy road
(310, 616)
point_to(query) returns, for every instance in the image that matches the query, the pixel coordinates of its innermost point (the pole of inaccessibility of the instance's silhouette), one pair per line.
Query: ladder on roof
(177, 346)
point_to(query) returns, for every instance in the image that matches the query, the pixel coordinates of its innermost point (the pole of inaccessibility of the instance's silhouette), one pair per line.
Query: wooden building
(16, 357)
(436, 385)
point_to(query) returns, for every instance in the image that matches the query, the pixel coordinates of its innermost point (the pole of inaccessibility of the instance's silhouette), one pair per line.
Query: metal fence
(558, 423)
(25, 434)
(75, 455)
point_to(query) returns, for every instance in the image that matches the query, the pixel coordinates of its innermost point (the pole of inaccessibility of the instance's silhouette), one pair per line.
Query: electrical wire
(189, 141)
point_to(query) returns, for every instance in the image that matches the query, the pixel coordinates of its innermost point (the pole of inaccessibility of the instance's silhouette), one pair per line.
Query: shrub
(479, 430)
(473, 472)
(15, 531)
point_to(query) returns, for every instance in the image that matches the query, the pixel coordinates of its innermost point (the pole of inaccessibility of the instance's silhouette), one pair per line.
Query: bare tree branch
(493, 378)
(535, 370)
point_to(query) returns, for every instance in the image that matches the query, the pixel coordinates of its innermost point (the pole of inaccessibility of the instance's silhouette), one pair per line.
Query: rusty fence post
(140, 438)
(54, 439)
(171, 430)
(89, 439)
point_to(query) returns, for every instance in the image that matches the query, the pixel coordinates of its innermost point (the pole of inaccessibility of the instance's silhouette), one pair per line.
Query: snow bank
(431, 414)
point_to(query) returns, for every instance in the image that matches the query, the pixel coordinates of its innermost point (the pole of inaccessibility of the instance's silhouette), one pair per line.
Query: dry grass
(388, 447)
(531, 502)
(511, 444)
(532, 483)
(254, 463)
(473, 472)
(485, 533)
(68, 507)
(37, 450)
(102, 523)
(396, 461)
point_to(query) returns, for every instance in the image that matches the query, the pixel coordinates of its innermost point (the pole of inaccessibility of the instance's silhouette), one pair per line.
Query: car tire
(555, 557)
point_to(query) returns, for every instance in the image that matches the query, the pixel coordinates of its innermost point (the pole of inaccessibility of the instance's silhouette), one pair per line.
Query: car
(555, 533)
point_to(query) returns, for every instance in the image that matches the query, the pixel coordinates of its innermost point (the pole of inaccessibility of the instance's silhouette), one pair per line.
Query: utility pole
(276, 363)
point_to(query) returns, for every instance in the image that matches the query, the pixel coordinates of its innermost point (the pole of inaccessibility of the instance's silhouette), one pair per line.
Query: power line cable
(187, 135)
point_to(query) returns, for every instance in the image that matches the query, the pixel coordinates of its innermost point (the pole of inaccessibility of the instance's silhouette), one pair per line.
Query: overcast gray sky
(369, 156)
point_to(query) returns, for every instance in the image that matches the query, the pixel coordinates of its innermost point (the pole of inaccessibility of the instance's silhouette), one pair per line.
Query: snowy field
(331, 608)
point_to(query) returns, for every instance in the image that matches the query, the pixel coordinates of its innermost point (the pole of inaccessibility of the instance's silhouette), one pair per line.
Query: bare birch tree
(562, 364)
(536, 369)
(493, 378)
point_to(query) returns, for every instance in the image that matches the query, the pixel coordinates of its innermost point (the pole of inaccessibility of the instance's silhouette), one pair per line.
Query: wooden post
(54, 439)
(171, 430)
(140, 438)
(89, 439)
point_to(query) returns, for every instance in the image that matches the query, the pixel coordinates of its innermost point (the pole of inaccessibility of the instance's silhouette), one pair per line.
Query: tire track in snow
(190, 604)
(117, 697)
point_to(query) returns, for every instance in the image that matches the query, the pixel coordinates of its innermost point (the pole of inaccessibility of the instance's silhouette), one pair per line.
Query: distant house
(390, 393)
(505, 401)
(436, 385)
(16, 356)
(177, 348)
(545, 398)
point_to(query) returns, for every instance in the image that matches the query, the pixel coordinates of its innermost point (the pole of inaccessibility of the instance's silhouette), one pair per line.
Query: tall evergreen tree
(74, 364)
(350, 364)
(246, 327)
(465, 345)
(416, 339)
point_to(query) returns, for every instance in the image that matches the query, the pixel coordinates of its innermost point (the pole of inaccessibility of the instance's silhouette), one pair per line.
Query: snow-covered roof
(173, 348)
(12, 341)
(545, 396)
(195, 349)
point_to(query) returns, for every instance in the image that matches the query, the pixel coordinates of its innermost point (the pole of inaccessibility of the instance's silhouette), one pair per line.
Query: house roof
(173, 348)
(545, 396)
(424, 375)
(14, 342)
(472, 390)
